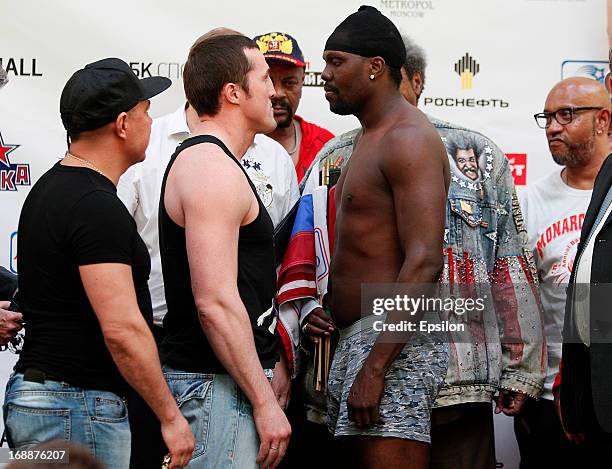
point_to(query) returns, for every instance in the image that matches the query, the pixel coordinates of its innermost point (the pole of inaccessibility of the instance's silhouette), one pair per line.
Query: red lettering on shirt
(565, 226)
(558, 228)
(573, 222)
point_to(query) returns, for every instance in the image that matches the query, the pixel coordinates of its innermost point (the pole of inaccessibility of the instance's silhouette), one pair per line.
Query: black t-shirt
(73, 217)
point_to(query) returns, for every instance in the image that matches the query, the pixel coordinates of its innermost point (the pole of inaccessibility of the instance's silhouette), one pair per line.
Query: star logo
(596, 72)
(5, 149)
(596, 69)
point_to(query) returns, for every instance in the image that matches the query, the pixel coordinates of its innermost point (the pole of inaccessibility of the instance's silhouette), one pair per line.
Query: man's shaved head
(575, 143)
(579, 91)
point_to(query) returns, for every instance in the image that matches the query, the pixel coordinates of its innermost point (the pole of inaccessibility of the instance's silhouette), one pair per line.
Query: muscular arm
(110, 290)
(215, 203)
(215, 200)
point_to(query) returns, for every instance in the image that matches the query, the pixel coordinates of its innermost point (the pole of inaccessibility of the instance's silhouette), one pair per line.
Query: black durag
(369, 33)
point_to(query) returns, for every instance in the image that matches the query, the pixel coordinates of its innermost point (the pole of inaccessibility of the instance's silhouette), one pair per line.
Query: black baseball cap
(98, 93)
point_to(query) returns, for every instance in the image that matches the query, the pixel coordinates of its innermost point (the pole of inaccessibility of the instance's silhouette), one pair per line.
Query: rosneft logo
(467, 68)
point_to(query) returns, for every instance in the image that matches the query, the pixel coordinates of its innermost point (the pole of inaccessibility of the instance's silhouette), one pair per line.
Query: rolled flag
(304, 271)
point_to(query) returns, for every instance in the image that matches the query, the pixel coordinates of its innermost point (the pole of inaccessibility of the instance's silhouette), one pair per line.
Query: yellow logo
(275, 42)
(467, 68)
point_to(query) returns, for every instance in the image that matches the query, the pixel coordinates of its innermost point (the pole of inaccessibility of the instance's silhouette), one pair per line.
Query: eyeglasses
(563, 116)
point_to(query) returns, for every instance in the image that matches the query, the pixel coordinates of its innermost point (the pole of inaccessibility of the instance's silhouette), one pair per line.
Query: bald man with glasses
(575, 118)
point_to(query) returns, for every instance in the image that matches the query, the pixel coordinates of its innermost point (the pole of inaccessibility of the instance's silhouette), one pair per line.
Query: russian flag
(297, 276)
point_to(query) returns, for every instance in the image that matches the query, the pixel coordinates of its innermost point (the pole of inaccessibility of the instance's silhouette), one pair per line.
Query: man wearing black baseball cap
(301, 139)
(83, 282)
(97, 94)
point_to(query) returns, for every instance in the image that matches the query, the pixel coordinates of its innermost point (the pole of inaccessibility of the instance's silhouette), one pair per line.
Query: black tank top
(185, 346)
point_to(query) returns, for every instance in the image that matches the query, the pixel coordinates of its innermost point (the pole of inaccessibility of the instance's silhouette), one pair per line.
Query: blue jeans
(36, 413)
(220, 417)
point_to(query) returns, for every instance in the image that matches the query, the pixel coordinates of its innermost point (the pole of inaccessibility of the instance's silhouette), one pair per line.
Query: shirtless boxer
(391, 203)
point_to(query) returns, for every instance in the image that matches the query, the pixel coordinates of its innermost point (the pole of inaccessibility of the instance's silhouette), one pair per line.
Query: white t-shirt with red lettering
(554, 213)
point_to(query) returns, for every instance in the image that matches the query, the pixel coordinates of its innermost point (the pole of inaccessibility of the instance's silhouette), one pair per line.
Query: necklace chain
(91, 165)
(294, 139)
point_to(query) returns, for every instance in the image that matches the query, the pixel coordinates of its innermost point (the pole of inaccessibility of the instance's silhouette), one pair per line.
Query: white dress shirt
(266, 162)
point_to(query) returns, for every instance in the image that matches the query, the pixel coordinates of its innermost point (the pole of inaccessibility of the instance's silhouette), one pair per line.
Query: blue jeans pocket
(110, 410)
(193, 395)
(28, 426)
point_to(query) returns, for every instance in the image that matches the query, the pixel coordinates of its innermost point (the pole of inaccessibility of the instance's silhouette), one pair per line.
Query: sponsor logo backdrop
(491, 63)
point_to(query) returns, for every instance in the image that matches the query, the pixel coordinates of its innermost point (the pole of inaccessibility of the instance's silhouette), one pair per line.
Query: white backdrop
(522, 47)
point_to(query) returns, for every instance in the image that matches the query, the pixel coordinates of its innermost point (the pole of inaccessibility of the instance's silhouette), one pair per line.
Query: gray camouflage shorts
(411, 385)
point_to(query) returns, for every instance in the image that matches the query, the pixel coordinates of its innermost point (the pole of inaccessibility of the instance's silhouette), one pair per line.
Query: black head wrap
(369, 33)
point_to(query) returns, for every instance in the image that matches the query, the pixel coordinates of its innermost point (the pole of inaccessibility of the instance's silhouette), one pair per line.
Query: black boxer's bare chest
(362, 184)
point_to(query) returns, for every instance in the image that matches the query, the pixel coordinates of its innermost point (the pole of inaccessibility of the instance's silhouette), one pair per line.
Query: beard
(342, 108)
(337, 105)
(576, 154)
(283, 103)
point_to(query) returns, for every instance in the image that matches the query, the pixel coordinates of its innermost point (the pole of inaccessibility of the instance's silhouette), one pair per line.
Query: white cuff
(308, 306)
